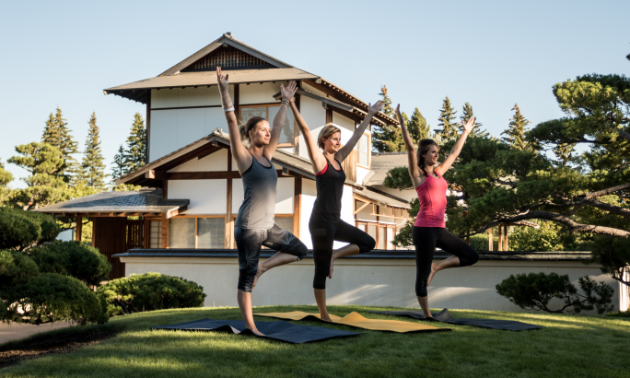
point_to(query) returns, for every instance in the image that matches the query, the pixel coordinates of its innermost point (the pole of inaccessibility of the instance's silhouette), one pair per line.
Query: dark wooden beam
(79, 229)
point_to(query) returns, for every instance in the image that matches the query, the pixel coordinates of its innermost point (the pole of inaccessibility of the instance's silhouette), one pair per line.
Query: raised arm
(457, 148)
(317, 158)
(278, 121)
(241, 155)
(414, 171)
(358, 132)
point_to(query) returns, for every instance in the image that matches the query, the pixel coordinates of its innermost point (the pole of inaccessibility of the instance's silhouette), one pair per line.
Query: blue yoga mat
(445, 317)
(279, 330)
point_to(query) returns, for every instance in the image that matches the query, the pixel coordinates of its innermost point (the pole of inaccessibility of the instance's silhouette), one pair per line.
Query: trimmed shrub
(22, 229)
(150, 291)
(15, 267)
(51, 297)
(534, 291)
(73, 259)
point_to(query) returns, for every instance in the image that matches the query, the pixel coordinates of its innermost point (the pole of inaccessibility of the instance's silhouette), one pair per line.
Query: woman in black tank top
(326, 225)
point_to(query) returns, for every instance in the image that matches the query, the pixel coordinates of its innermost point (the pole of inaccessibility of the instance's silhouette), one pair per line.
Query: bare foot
(330, 271)
(259, 273)
(326, 318)
(433, 271)
(256, 332)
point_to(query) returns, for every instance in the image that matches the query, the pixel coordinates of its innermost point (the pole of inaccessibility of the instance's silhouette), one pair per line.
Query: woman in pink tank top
(429, 229)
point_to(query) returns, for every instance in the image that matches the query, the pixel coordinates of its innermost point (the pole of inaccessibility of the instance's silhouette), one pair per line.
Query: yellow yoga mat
(354, 319)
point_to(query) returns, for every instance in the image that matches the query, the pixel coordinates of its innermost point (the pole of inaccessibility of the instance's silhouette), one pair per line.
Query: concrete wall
(369, 282)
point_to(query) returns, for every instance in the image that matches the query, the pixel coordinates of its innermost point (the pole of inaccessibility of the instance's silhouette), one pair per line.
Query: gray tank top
(259, 204)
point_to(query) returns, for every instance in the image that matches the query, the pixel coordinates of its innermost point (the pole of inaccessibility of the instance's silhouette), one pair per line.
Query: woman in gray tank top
(255, 225)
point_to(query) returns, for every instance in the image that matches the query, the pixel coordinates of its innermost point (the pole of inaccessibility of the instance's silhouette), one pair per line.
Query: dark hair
(423, 148)
(250, 125)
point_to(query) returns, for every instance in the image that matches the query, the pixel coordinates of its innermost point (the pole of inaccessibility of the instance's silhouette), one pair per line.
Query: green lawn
(575, 346)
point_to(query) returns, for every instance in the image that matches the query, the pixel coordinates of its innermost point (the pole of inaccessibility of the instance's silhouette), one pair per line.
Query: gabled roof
(382, 163)
(275, 70)
(143, 203)
(225, 40)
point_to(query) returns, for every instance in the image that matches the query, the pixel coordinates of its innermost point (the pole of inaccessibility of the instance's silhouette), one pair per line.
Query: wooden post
(148, 118)
(505, 239)
(79, 229)
(500, 238)
(297, 202)
(164, 233)
(490, 240)
(329, 116)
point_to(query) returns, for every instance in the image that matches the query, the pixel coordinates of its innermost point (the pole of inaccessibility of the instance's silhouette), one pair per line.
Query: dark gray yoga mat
(445, 317)
(280, 330)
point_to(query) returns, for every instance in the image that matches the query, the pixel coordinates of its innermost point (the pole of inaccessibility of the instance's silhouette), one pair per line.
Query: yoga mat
(281, 331)
(354, 319)
(445, 317)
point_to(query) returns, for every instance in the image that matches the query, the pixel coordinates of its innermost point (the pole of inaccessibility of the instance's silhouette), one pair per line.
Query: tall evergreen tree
(93, 167)
(418, 126)
(119, 167)
(467, 114)
(516, 131)
(57, 134)
(447, 122)
(45, 186)
(387, 138)
(136, 153)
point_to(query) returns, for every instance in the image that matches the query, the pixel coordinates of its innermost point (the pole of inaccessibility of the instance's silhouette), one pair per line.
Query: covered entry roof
(146, 202)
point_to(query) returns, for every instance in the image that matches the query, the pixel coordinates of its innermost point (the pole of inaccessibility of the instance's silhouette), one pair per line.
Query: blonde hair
(326, 133)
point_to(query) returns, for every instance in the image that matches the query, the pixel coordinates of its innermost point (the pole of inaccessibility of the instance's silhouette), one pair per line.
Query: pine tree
(119, 168)
(387, 138)
(45, 186)
(447, 122)
(93, 167)
(136, 153)
(57, 134)
(51, 132)
(418, 127)
(5, 178)
(516, 131)
(467, 114)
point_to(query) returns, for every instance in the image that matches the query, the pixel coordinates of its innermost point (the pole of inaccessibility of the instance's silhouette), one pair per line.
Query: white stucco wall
(206, 196)
(315, 116)
(257, 93)
(172, 129)
(215, 162)
(367, 282)
(284, 195)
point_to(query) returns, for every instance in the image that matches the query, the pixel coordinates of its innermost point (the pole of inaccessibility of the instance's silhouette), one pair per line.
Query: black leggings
(426, 239)
(248, 243)
(323, 233)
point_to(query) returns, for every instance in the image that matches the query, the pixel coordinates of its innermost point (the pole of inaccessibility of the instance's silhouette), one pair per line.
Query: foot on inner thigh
(433, 271)
(259, 273)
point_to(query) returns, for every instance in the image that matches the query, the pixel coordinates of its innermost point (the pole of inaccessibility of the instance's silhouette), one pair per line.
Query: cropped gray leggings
(249, 242)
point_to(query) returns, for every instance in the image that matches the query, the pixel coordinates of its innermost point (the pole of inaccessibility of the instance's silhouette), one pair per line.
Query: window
(211, 232)
(269, 112)
(155, 235)
(206, 232)
(363, 150)
(382, 233)
(182, 233)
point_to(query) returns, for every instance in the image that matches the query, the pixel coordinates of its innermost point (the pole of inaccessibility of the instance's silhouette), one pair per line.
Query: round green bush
(150, 291)
(51, 297)
(74, 259)
(22, 229)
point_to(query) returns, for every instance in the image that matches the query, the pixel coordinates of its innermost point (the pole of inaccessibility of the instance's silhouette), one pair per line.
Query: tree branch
(611, 208)
(558, 218)
(606, 191)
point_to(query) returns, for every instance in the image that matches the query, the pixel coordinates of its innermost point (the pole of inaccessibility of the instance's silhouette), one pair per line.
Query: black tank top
(329, 192)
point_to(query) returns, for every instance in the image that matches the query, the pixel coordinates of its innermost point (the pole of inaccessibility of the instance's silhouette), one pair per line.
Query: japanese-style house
(181, 223)
(191, 187)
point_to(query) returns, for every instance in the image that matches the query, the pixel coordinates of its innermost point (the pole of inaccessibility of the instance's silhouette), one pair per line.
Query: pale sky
(492, 54)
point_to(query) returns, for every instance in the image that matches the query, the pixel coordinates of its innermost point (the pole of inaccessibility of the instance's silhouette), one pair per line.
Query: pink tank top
(432, 197)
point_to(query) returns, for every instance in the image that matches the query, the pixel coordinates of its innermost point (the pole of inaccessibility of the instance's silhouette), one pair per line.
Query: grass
(576, 346)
